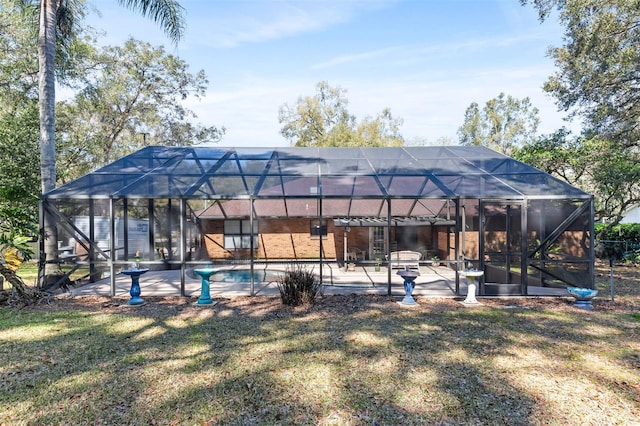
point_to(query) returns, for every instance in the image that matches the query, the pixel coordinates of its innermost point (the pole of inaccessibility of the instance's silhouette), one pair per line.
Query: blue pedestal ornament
(205, 274)
(409, 284)
(135, 273)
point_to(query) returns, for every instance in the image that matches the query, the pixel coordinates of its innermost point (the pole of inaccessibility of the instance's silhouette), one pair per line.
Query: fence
(618, 250)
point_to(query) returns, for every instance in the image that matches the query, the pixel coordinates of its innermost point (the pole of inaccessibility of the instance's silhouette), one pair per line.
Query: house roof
(219, 173)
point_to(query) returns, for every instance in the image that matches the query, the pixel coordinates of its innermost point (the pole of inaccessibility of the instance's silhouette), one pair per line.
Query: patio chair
(354, 253)
(405, 259)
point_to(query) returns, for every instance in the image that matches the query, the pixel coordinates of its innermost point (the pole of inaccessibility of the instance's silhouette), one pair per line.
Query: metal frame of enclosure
(471, 205)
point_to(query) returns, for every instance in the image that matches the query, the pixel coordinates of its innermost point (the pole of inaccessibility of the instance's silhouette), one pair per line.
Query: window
(237, 234)
(318, 229)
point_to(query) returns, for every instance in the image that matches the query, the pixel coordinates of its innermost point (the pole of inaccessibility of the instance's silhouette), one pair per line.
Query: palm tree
(56, 18)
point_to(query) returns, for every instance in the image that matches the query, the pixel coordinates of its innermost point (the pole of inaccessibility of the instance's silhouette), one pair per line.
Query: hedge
(622, 242)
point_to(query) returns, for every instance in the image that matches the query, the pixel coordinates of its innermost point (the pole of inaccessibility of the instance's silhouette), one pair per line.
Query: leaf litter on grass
(351, 359)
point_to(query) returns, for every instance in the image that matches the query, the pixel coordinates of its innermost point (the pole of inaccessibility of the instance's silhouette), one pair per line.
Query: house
(631, 215)
(254, 205)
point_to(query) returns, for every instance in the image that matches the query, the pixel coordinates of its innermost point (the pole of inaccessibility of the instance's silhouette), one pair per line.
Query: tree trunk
(23, 295)
(47, 103)
(16, 282)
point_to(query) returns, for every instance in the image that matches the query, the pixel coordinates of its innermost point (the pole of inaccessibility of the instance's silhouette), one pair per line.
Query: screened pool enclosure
(457, 207)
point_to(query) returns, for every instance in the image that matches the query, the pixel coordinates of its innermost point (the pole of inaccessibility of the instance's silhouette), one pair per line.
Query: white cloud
(428, 80)
(356, 57)
(249, 111)
(267, 20)
(432, 103)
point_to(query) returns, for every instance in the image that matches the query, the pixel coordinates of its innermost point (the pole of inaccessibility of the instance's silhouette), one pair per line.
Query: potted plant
(136, 258)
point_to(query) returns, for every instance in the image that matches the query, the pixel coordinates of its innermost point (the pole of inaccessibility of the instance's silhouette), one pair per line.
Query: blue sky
(426, 60)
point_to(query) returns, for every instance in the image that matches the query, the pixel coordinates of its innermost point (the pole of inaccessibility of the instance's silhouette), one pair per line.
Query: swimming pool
(244, 275)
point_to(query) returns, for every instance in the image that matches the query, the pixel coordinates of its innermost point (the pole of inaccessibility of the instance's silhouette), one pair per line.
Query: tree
(323, 120)
(616, 174)
(592, 164)
(19, 171)
(19, 159)
(133, 98)
(470, 133)
(18, 66)
(61, 15)
(384, 130)
(562, 155)
(596, 78)
(19, 174)
(504, 124)
(598, 65)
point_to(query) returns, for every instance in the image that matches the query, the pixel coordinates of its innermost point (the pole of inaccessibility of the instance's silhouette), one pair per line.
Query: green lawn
(348, 360)
(29, 272)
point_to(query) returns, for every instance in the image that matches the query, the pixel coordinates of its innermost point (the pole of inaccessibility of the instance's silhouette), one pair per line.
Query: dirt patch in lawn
(333, 305)
(626, 282)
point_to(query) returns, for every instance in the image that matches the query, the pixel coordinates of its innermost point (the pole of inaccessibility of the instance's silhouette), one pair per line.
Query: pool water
(244, 275)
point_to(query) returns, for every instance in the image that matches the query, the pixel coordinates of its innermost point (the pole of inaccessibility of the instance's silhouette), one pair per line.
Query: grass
(347, 360)
(28, 271)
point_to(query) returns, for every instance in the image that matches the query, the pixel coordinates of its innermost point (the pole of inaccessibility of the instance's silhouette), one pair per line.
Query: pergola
(180, 207)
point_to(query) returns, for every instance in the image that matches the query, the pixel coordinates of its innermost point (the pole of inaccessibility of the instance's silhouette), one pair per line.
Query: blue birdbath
(583, 296)
(205, 274)
(135, 273)
(409, 283)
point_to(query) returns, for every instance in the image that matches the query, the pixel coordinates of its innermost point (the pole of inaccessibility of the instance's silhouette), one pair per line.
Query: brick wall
(277, 239)
(291, 239)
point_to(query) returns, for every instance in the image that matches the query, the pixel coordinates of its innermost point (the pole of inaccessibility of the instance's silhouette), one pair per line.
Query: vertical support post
(92, 232)
(611, 279)
(152, 231)
(344, 245)
(542, 228)
(463, 231)
(456, 238)
(251, 248)
(43, 256)
(524, 259)
(388, 246)
(169, 229)
(320, 220)
(319, 194)
(125, 227)
(481, 234)
(112, 240)
(592, 250)
(508, 233)
(183, 244)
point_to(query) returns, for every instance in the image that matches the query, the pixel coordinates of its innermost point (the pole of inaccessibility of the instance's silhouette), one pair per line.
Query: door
(501, 248)
(377, 242)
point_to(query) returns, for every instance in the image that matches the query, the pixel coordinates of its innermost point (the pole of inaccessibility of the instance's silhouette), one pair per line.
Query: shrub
(621, 242)
(299, 286)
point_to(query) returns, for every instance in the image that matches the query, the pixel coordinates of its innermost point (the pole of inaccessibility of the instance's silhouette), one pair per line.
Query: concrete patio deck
(432, 282)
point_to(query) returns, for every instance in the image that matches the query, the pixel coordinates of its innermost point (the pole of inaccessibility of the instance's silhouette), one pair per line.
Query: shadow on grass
(346, 360)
